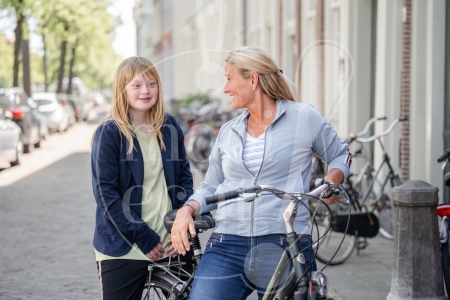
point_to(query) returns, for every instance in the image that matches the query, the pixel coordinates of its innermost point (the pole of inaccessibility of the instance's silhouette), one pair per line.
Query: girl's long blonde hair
(119, 113)
(248, 59)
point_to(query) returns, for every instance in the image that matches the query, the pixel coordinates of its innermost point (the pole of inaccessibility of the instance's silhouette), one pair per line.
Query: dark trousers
(124, 279)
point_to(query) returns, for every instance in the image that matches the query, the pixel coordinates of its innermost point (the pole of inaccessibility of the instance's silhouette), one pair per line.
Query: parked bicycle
(443, 211)
(170, 281)
(370, 198)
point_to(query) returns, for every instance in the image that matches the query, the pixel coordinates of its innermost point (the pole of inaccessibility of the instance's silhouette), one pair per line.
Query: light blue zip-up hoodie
(297, 131)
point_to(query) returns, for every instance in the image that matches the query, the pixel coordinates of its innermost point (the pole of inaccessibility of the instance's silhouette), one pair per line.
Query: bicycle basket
(360, 224)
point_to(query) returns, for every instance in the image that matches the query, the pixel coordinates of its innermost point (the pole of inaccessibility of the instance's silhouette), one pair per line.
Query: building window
(312, 8)
(335, 3)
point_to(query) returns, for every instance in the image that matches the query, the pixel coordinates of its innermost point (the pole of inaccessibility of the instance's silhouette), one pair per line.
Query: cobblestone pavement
(364, 276)
(47, 221)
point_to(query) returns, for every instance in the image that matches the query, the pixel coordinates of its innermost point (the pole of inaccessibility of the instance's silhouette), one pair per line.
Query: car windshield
(6, 101)
(40, 102)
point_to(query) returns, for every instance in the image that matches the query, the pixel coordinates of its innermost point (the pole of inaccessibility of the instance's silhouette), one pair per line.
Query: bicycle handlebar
(444, 156)
(386, 132)
(222, 197)
(364, 131)
(332, 189)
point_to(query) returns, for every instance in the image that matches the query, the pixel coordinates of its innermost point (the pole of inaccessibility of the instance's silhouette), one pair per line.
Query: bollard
(417, 269)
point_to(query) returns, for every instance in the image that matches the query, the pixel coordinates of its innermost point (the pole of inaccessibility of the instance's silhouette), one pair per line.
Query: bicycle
(443, 211)
(370, 198)
(300, 283)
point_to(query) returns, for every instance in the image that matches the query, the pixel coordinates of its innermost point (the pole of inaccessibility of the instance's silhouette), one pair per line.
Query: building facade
(352, 59)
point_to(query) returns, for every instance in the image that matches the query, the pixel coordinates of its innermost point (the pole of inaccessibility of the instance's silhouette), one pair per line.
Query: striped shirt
(254, 152)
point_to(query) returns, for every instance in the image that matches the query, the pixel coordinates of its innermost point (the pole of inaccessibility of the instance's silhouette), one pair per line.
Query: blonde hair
(254, 59)
(119, 112)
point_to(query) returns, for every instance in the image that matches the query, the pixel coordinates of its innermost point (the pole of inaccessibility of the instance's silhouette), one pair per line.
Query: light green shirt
(155, 199)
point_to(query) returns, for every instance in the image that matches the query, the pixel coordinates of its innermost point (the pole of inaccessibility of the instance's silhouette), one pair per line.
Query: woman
(139, 173)
(270, 143)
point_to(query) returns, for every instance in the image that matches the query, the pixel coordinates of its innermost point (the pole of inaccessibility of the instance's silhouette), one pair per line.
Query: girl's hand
(179, 235)
(156, 253)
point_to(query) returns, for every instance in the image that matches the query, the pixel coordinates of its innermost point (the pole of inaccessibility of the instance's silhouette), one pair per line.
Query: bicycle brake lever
(336, 190)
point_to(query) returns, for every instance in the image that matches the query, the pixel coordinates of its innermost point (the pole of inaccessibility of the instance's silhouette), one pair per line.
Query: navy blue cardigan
(117, 179)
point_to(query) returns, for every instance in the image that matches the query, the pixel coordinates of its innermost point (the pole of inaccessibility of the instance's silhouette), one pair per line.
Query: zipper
(255, 178)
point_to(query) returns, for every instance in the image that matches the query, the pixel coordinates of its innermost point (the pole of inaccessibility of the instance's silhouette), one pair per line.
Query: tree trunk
(18, 44)
(26, 67)
(405, 90)
(72, 62)
(298, 43)
(44, 63)
(320, 35)
(62, 62)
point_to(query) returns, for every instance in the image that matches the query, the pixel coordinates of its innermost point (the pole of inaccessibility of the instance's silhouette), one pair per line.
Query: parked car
(98, 99)
(10, 141)
(77, 104)
(57, 114)
(43, 126)
(70, 111)
(24, 113)
(62, 99)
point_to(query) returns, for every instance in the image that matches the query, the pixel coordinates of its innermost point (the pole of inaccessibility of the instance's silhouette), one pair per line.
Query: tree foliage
(82, 24)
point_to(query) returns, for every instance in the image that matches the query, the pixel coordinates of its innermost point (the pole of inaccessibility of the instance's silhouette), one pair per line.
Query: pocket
(214, 239)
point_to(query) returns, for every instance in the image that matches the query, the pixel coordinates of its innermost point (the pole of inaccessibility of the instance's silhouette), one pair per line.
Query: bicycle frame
(296, 283)
(296, 278)
(389, 176)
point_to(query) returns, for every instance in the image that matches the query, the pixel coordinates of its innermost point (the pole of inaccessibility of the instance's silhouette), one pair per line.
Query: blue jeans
(232, 266)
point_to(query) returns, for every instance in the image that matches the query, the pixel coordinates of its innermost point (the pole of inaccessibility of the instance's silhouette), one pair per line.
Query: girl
(139, 173)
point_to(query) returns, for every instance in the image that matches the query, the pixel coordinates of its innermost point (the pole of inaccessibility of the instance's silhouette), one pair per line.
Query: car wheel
(28, 147)
(18, 154)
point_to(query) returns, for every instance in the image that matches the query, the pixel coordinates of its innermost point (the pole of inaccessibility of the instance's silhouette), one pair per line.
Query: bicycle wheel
(328, 244)
(385, 211)
(164, 286)
(446, 265)
(381, 204)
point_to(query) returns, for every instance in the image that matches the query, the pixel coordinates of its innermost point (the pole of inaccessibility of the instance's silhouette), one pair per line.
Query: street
(47, 222)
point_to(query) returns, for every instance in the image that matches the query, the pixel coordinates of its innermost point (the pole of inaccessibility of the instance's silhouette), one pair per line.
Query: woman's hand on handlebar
(179, 234)
(333, 176)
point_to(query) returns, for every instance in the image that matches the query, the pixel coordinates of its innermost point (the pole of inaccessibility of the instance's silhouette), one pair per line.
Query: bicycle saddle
(205, 221)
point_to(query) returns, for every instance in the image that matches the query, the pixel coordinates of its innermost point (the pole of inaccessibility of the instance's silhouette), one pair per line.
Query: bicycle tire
(446, 265)
(386, 211)
(383, 207)
(328, 244)
(164, 286)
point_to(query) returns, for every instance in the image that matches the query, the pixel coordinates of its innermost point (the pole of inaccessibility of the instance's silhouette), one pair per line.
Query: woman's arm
(328, 147)
(196, 204)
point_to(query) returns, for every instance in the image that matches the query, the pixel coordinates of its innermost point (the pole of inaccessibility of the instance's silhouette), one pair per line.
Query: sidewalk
(364, 276)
